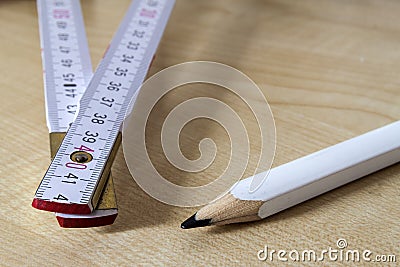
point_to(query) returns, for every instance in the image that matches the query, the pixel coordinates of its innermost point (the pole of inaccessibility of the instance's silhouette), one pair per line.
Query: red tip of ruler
(61, 207)
(86, 222)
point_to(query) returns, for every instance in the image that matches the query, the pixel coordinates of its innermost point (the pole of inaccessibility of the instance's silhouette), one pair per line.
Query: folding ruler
(78, 184)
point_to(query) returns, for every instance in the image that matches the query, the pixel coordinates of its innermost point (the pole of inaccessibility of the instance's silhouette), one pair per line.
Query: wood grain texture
(330, 70)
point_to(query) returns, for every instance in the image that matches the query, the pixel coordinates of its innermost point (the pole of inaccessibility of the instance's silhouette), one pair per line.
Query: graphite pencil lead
(193, 223)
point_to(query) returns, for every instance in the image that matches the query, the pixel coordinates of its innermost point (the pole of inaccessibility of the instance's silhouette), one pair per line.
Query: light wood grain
(330, 70)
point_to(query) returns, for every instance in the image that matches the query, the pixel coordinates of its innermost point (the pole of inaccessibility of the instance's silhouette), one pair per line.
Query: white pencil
(304, 178)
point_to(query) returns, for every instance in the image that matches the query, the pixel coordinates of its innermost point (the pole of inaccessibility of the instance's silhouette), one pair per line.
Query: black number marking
(120, 72)
(127, 58)
(138, 34)
(63, 36)
(66, 62)
(114, 86)
(71, 109)
(60, 197)
(61, 24)
(133, 46)
(143, 23)
(90, 137)
(107, 101)
(70, 176)
(99, 119)
(64, 49)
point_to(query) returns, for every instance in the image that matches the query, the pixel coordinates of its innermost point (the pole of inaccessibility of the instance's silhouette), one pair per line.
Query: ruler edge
(47, 70)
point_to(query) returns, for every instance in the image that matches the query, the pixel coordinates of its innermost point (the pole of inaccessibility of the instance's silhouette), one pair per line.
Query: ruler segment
(67, 68)
(89, 147)
(64, 86)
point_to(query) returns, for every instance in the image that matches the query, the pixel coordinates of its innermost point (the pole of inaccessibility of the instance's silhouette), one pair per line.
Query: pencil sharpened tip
(193, 223)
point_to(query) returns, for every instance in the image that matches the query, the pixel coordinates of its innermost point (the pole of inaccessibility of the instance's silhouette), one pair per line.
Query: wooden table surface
(330, 71)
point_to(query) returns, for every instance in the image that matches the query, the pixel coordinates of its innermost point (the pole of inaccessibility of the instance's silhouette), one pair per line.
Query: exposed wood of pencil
(229, 209)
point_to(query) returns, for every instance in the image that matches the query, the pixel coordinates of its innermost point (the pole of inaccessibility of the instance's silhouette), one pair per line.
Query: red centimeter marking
(61, 13)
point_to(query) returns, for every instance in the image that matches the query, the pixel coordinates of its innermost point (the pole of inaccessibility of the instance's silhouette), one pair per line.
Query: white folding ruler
(88, 149)
(67, 71)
